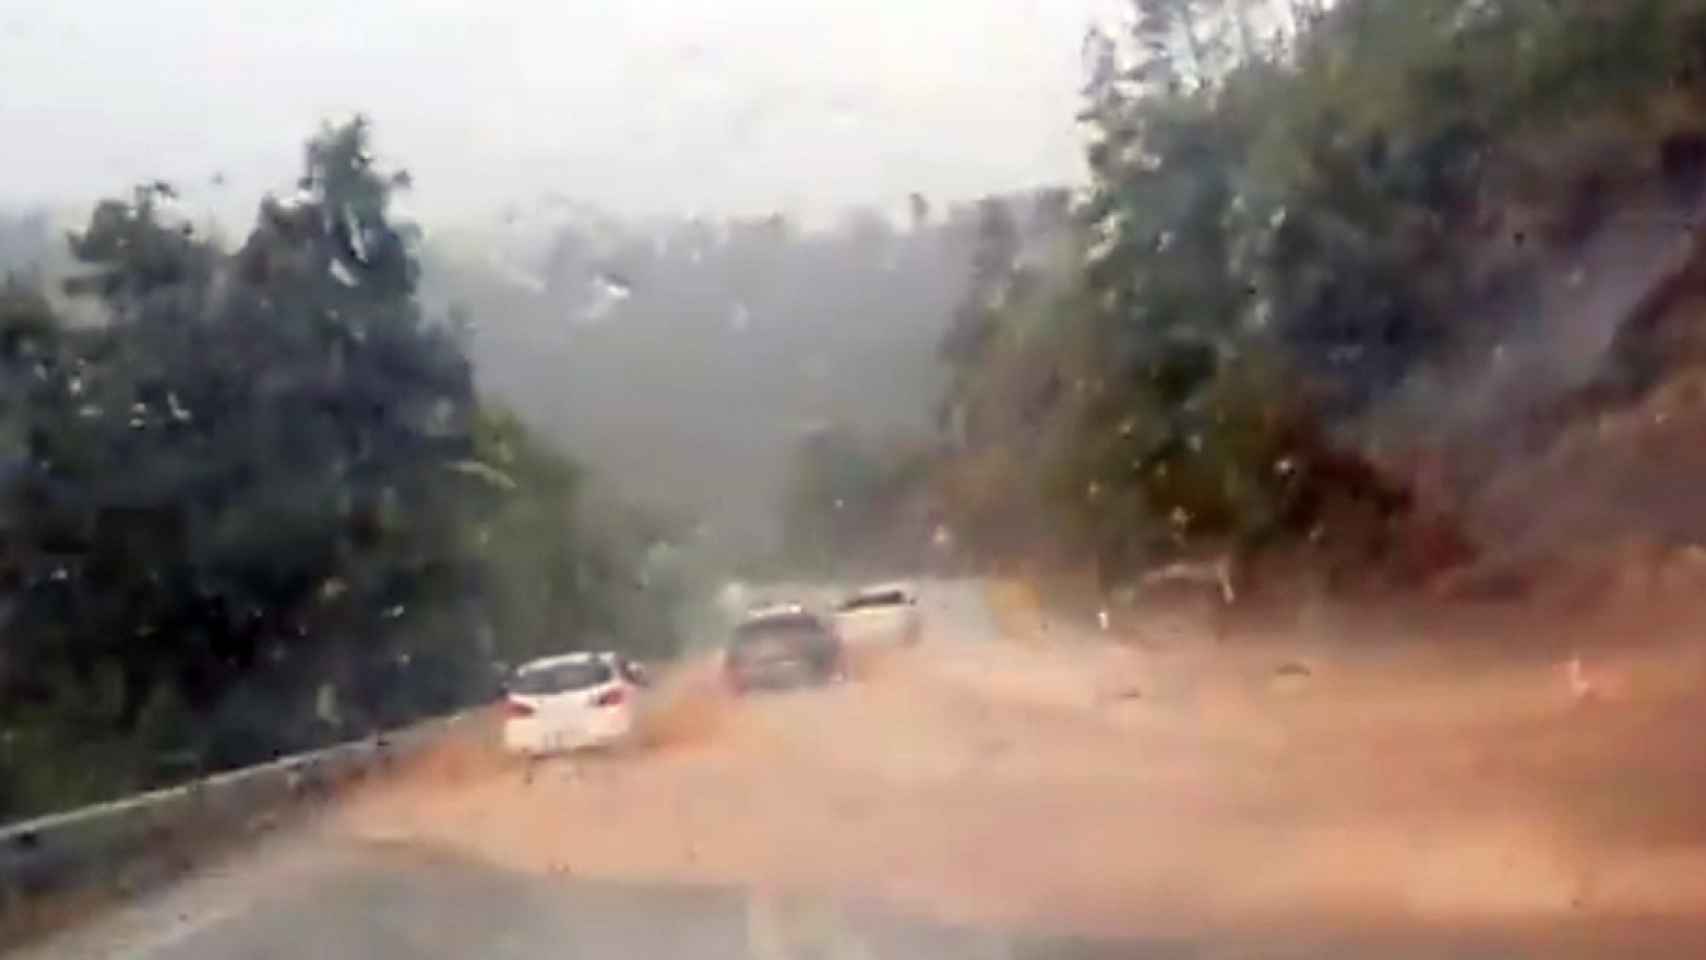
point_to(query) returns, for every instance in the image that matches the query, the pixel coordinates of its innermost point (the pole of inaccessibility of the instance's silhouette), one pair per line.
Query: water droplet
(1180, 517)
(89, 411)
(342, 274)
(607, 291)
(615, 287)
(354, 230)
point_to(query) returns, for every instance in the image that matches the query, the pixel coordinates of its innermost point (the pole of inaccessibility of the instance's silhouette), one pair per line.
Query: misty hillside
(25, 244)
(683, 359)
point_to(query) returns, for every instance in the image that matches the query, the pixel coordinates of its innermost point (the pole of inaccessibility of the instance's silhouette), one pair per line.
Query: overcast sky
(642, 106)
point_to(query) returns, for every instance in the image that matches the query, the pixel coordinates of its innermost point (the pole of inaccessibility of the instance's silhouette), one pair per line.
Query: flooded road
(1002, 795)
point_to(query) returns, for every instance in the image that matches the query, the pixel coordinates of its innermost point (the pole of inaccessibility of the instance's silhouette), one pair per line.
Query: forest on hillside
(1398, 293)
(687, 356)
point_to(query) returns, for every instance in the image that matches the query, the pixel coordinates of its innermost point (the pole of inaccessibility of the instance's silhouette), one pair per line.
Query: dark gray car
(787, 648)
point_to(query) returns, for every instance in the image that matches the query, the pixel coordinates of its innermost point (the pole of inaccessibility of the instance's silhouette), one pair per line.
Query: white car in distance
(570, 702)
(884, 613)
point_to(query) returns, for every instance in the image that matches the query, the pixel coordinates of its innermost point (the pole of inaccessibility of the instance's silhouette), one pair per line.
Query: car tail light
(610, 698)
(516, 710)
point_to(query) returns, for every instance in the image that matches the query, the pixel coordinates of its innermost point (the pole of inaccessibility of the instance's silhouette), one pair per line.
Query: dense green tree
(1308, 232)
(258, 506)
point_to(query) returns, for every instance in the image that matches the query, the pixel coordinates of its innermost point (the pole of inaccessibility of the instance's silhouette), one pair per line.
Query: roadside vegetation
(1357, 289)
(252, 502)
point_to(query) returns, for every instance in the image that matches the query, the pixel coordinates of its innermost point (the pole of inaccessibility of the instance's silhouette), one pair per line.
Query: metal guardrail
(125, 846)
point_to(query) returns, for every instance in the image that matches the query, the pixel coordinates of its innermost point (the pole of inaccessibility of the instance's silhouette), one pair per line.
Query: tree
(853, 502)
(260, 507)
(1289, 238)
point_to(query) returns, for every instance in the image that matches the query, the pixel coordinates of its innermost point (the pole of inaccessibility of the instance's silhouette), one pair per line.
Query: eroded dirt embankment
(1120, 789)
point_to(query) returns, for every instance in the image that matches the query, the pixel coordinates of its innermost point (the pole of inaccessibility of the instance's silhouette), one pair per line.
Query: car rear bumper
(778, 675)
(535, 737)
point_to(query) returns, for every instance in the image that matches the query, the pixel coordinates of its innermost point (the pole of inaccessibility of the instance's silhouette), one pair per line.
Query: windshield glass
(1085, 478)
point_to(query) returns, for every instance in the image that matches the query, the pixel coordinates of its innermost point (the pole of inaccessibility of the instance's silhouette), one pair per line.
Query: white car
(884, 613)
(570, 702)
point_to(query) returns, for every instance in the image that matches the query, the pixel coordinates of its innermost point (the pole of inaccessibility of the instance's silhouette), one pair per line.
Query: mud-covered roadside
(1089, 787)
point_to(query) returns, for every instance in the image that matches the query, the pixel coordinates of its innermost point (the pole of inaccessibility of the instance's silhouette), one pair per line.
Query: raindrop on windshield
(608, 291)
(342, 274)
(614, 287)
(353, 230)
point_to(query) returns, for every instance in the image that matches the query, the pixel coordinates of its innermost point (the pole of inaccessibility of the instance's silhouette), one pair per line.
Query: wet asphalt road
(311, 897)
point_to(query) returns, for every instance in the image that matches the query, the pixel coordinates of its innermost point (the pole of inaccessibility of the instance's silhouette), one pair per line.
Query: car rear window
(561, 678)
(779, 631)
(885, 598)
